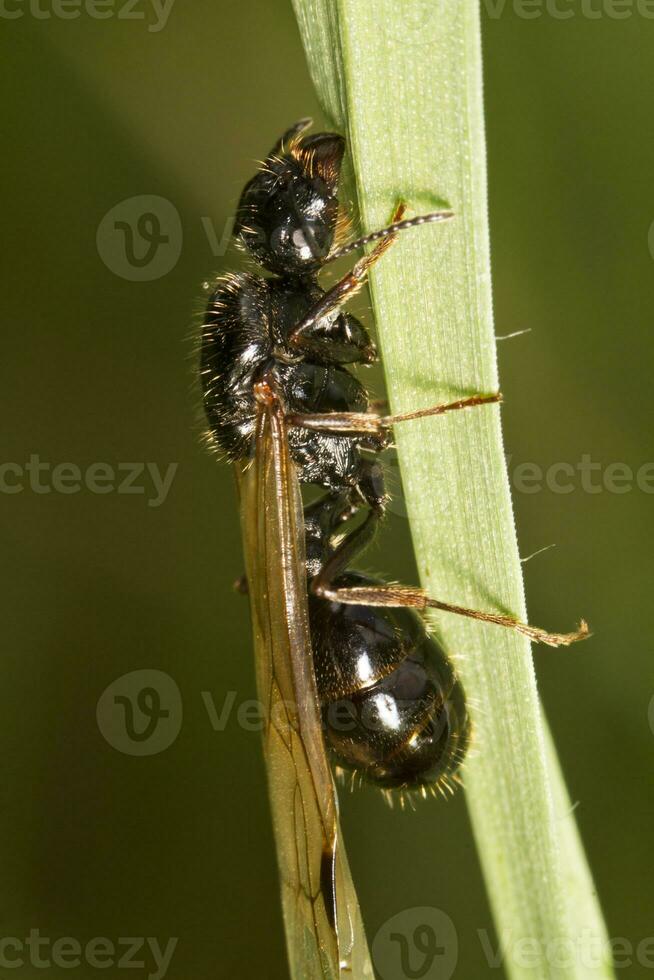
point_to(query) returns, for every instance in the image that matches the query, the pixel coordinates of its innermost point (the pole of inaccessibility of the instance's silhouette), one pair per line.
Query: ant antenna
(422, 219)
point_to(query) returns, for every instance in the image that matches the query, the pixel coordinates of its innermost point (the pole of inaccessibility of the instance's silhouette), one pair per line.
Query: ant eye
(301, 244)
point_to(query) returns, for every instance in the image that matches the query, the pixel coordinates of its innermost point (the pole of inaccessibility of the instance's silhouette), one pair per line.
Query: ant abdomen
(393, 708)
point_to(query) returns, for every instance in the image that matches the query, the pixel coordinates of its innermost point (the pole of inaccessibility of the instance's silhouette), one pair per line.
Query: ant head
(288, 212)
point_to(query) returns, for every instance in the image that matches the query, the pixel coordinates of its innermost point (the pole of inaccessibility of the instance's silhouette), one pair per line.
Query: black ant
(393, 708)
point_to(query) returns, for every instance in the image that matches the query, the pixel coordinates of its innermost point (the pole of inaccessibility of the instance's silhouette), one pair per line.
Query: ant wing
(324, 931)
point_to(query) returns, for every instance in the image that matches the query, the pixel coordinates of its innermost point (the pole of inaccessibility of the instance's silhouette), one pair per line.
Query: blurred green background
(96, 368)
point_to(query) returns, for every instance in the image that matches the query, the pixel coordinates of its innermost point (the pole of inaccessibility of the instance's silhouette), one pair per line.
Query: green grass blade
(402, 80)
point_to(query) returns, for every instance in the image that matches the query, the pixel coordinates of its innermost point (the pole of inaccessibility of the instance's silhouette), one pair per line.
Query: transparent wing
(324, 931)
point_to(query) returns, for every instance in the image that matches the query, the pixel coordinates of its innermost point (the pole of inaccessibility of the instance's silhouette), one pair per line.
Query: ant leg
(395, 596)
(301, 334)
(328, 512)
(359, 347)
(352, 544)
(362, 423)
(391, 231)
(370, 486)
(322, 519)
